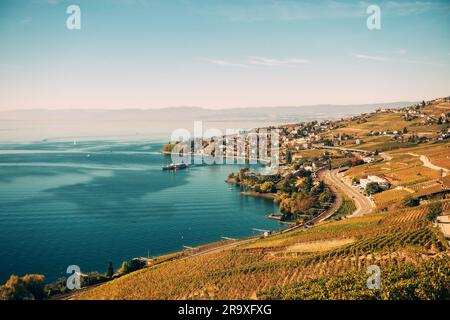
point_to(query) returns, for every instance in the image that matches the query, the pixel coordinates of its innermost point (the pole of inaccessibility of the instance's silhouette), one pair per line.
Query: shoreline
(168, 153)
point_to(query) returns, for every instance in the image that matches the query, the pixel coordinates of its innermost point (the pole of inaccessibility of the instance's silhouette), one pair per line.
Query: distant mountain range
(37, 124)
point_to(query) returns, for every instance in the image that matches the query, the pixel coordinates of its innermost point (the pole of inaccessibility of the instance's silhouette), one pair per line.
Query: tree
(319, 188)
(372, 188)
(110, 270)
(28, 287)
(356, 161)
(131, 265)
(168, 147)
(411, 202)
(405, 130)
(268, 187)
(58, 286)
(434, 209)
(241, 175)
(307, 185)
(325, 197)
(288, 157)
(93, 278)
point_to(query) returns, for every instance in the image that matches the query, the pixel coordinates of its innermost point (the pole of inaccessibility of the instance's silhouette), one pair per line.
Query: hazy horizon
(157, 124)
(209, 108)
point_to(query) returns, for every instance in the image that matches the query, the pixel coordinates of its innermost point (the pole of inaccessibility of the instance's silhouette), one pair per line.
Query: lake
(97, 201)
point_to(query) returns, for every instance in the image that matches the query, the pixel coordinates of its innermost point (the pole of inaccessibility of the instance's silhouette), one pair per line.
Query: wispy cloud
(368, 57)
(254, 61)
(224, 63)
(276, 62)
(399, 59)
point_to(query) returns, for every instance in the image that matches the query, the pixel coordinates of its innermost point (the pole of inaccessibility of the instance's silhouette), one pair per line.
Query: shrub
(56, 287)
(132, 265)
(110, 270)
(28, 287)
(168, 147)
(411, 202)
(434, 210)
(93, 278)
(372, 188)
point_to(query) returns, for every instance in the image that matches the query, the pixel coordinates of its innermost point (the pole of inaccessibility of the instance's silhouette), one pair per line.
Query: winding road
(363, 204)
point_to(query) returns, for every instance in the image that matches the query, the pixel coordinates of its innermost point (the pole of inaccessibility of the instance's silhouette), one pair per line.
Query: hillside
(265, 267)
(329, 260)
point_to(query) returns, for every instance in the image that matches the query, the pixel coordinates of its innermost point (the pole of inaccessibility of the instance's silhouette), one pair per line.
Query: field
(438, 153)
(408, 175)
(390, 197)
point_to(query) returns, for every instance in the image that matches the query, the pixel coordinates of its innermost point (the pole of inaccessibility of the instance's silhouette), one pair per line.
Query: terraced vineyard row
(390, 197)
(427, 280)
(267, 265)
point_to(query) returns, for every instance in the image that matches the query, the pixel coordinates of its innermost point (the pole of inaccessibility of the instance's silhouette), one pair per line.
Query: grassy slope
(268, 267)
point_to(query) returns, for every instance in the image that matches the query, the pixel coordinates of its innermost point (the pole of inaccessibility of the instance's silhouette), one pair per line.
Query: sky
(221, 53)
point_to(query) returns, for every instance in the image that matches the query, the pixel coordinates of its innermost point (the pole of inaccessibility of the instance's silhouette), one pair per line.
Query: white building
(382, 182)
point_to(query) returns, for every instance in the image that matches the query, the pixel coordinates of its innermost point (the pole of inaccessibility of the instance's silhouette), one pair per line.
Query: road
(427, 163)
(363, 204)
(324, 175)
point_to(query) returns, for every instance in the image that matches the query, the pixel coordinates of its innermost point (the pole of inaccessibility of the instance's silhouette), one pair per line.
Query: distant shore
(224, 156)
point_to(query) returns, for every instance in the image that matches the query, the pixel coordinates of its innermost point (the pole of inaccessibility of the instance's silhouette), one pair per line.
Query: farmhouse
(382, 182)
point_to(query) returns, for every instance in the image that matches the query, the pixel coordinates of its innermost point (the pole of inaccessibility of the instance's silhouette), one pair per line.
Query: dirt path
(427, 163)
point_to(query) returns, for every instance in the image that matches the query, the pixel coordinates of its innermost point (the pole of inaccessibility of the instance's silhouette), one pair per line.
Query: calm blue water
(94, 202)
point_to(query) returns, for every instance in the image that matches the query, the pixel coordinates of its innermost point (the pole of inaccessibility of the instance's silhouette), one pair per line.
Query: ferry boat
(174, 166)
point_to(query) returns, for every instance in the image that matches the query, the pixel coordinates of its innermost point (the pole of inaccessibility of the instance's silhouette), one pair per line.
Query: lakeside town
(307, 149)
(364, 189)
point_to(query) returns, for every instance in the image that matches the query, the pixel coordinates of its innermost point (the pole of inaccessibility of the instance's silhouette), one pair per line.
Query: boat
(174, 166)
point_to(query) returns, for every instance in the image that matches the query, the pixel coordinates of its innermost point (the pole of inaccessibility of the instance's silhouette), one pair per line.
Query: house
(382, 182)
(368, 159)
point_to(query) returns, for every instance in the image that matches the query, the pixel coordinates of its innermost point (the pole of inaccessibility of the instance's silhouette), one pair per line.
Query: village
(361, 158)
